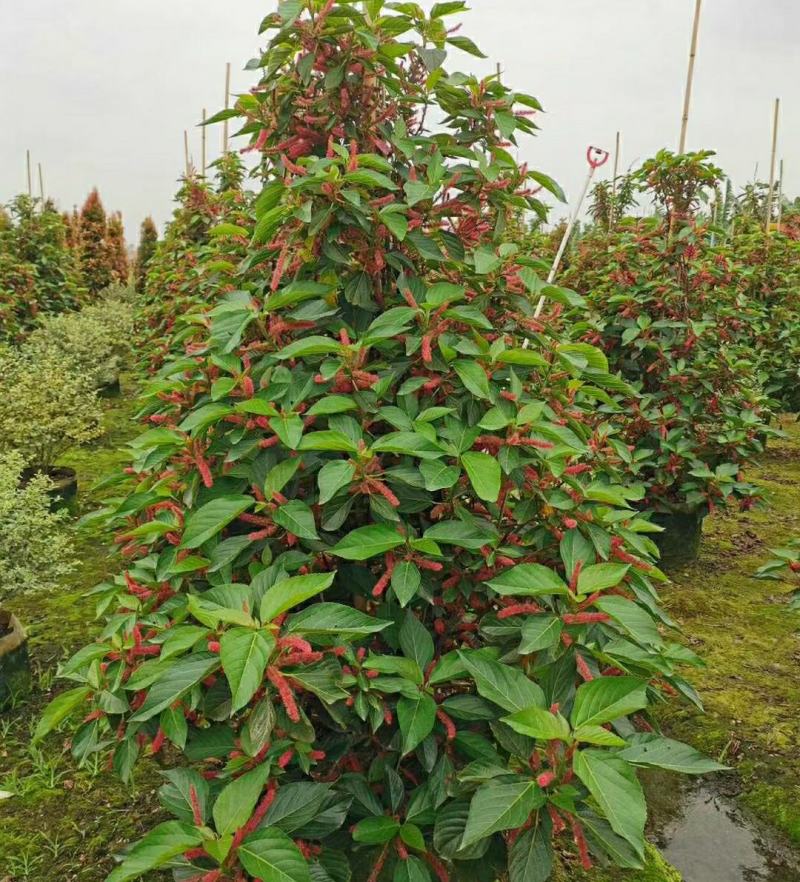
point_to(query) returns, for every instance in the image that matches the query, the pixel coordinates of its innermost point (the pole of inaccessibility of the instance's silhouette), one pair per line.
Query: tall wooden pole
(227, 107)
(28, 164)
(614, 183)
(776, 116)
(41, 185)
(687, 98)
(203, 144)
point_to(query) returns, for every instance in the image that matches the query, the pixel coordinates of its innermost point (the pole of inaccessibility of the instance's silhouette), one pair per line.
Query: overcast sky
(101, 90)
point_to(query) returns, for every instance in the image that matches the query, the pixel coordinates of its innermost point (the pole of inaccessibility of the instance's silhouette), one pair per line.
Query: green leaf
(438, 475)
(331, 404)
(411, 870)
(597, 735)
(528, 580)
(369, 178)
(244, 654)
(416, 641)
(376, 831)
(606, 699)
(270, 855)
(335, 620)
(290, 592)
(296, 517)
(211, 518)
(332, 477)
(531, 855)
(506, 686)
(540, 632)
(536, 722)
(444, 292)
(159, 846)
(634, 620)
(600, 576)
(178, 679)
(396, 223)
(289, 428)
(484, 474)
(524, 357)
(612, 782)
(406, 579)
(279, 476)
(235, 804)
(655, 751)
(366, 542)
(297, 292)
(415, 717)
(311, 345)
(497, 807)
(466, 45)
(474, 378)
(336, 441)
(59, 709)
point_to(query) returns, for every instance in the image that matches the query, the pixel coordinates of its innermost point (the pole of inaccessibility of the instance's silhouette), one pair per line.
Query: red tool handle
(596, 157)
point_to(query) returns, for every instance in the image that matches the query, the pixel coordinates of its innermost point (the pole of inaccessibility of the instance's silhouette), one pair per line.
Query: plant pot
(15, 672)
(679, 544)
(65, 485)
(110, 390)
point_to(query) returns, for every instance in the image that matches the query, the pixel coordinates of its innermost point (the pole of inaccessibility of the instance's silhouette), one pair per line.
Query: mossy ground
(64, 824)
(750, 641)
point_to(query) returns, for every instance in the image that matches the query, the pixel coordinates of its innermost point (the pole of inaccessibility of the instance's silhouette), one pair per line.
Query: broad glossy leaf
(655, 751)
(484, 474)
(211, 518)
(613, 784)
(536, 722)
(59, 709)
(175, 682)
(290, 592)
(497, 807)
(366, 542)
(270, 855)
(296, 517)
(236, 802)
(606, 699)
(528, 580)
(244, 653)
(506, 686)
(415, 717)
(157, 848)
(334, 619)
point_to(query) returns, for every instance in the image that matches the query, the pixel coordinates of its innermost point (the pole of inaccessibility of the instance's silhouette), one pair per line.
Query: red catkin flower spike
(284, 691)
(449, 725)
(197, 812)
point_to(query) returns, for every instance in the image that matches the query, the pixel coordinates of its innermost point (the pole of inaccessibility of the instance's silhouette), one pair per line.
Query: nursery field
(370, 525)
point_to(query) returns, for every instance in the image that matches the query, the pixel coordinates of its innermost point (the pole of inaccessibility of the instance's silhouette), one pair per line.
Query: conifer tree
(148, 240)
(119, 254)
(95, 250)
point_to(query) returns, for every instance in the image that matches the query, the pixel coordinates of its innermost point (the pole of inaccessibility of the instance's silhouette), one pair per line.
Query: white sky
(101, 90)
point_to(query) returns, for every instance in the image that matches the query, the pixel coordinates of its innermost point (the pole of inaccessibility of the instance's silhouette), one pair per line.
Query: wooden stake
(186, 151)
(687, 98)
(28, 163)
(227, 107)
(614, 183)
(203, 145)
(780, 195)
(768, 212)
(41, 185)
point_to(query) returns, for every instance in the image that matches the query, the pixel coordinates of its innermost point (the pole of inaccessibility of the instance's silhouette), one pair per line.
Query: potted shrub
(46, 408)
(664, 308)
(784, 566)
(96, 342)
(432, 650)
(35, 554)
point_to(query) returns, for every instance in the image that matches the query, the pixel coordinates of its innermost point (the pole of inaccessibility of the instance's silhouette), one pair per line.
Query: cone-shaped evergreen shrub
(119, 251)
(96, 253)
(148, 240)
(382, 589)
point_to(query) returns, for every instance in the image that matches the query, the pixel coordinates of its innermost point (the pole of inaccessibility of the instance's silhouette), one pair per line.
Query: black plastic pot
(679, 544)
(65, 485)
(15, 671)
(110, 390)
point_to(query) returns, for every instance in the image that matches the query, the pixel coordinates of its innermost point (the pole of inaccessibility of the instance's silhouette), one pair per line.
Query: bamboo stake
(780, 195)
(768, 212)
(687, 98)
(28, 163)
(614, 183)
(227, 107)
(203, 144)
(41, 185)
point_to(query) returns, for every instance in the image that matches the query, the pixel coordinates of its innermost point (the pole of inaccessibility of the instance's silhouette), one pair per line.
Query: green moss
(656, 869)
(750, 642)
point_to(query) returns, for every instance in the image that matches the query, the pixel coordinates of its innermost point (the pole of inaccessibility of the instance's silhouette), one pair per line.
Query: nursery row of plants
(393, 534)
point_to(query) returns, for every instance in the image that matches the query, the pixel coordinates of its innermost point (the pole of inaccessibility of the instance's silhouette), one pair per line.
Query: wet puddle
(711, 841)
